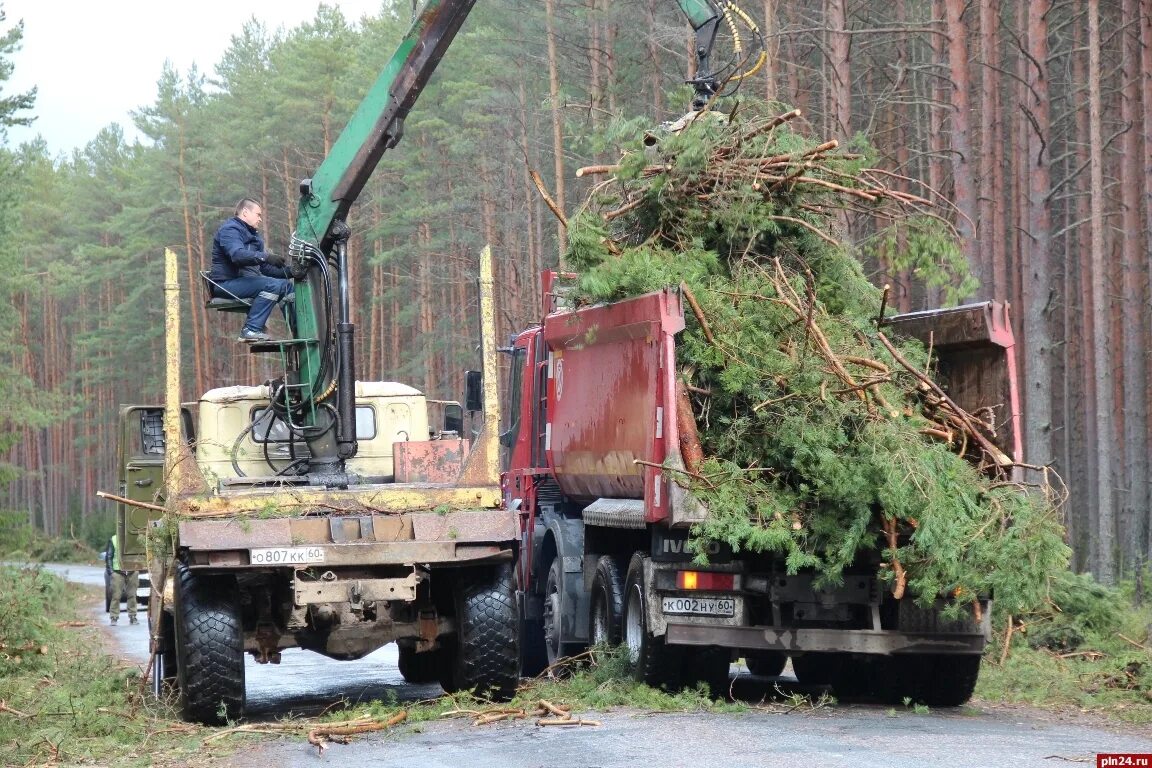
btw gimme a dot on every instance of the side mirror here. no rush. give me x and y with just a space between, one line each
454 418
473 391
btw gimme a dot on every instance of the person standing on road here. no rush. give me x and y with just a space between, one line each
243 269
122 581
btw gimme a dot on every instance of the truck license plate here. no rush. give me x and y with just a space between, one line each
704 606
286 555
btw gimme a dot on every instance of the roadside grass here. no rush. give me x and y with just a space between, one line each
64 701
1090 652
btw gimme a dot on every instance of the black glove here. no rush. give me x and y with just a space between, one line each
274 259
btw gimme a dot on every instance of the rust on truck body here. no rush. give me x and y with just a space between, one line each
975 358
611 416
429 461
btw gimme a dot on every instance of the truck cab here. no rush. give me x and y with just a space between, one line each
244 441
140 476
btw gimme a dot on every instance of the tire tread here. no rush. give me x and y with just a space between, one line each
210 653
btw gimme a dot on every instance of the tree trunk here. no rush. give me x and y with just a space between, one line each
839 45
1036 261
771 47
1135 509
992 237
963 187
1104 562
557 122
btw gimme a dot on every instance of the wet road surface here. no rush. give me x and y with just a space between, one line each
845 735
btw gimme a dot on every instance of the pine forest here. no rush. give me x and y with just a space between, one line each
1031 118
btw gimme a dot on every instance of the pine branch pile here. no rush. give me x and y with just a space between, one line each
821 438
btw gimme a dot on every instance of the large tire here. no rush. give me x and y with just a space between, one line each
209 648
817 668
850 676
765 663
484 655
420 667
937 680
556 642
607 603
653 662
709 665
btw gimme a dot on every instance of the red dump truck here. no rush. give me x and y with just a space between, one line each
591 423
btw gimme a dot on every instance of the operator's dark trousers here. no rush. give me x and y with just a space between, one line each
266 293
122 580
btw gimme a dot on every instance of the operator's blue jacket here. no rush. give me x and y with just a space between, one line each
238 251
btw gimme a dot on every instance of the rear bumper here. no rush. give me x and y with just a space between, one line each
868 641
458 537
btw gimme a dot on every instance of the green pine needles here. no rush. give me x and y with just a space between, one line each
825 441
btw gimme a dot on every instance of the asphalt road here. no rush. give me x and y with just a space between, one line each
859 736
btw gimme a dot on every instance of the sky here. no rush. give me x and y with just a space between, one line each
93 63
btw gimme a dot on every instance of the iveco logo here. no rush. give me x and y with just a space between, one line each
680 547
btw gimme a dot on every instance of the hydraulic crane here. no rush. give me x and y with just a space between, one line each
320 359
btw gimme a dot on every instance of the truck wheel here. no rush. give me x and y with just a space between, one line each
607 602
484 655
817 668
653 661
765 663
420 667
709 665
937 680
209 647
856 675
555 604
952 681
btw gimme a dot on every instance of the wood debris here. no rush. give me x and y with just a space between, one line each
318 736
546 712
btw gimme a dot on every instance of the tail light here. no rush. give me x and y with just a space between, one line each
705 580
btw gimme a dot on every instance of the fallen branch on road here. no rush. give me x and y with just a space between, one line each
547 712
318 735
339 732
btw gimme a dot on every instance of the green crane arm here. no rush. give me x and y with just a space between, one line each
699 12
320 358
378 122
